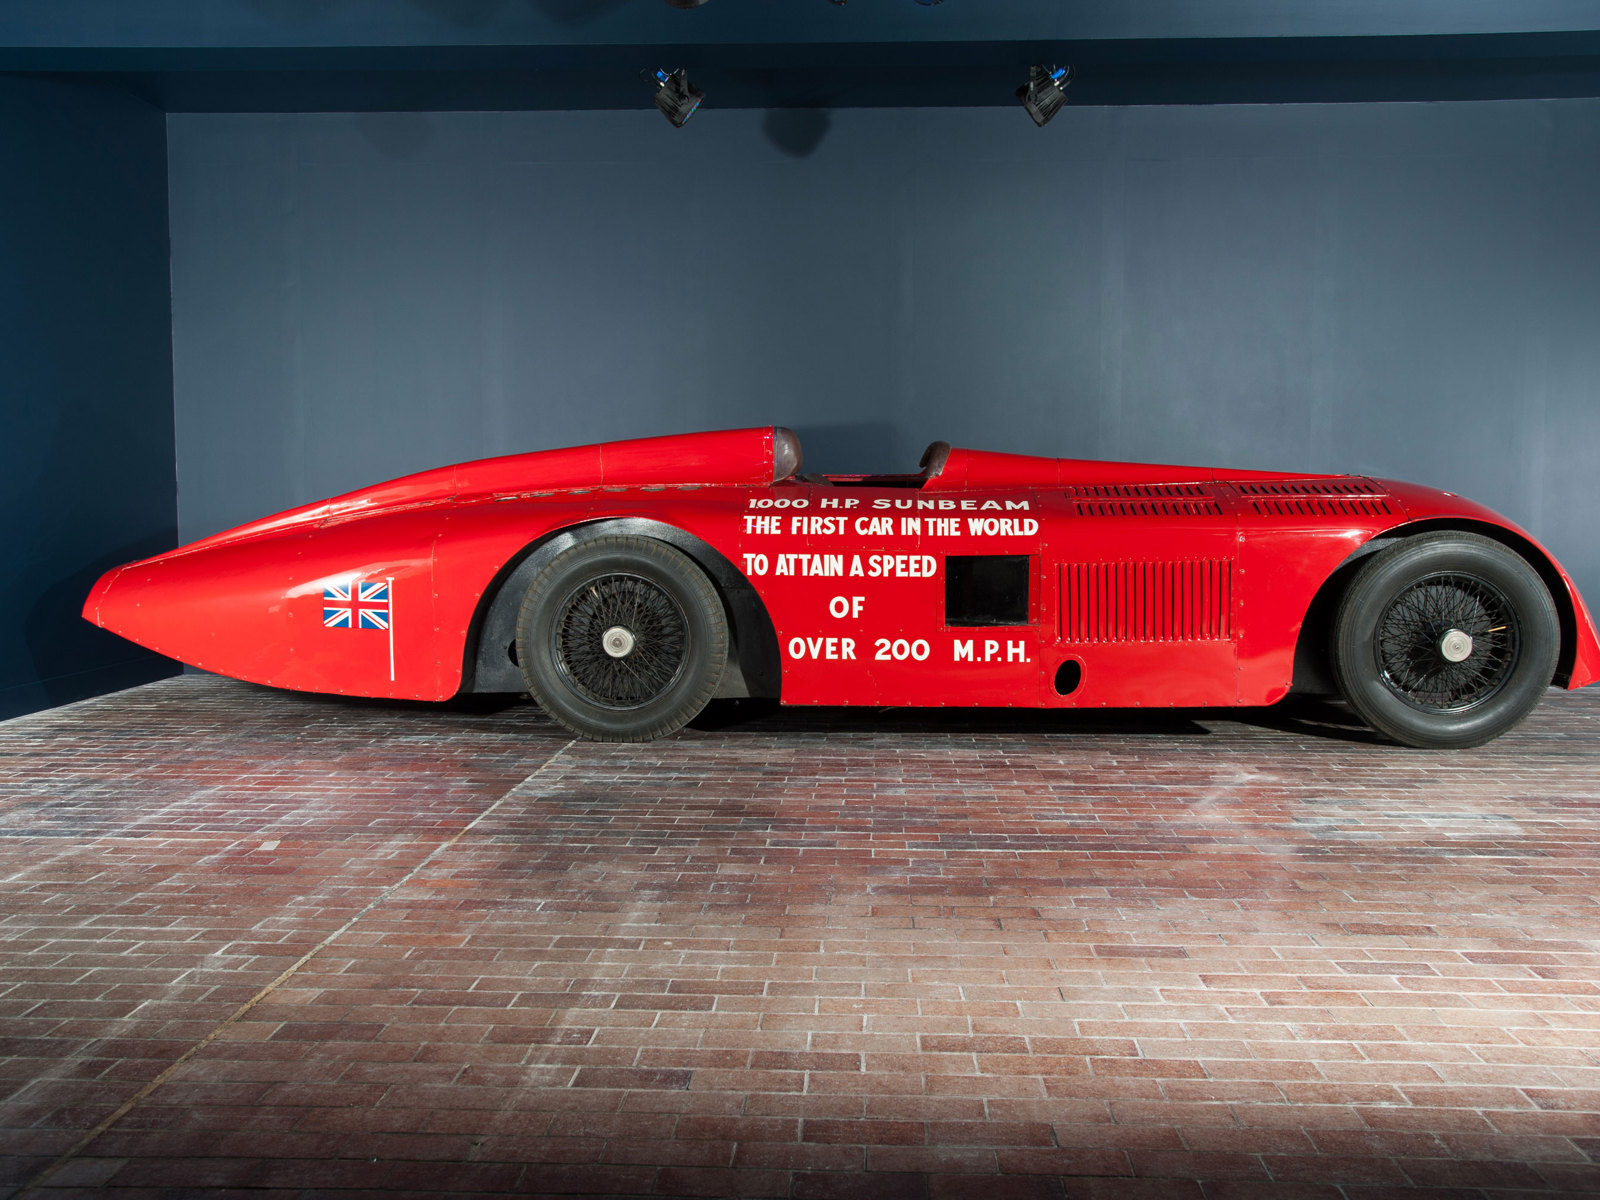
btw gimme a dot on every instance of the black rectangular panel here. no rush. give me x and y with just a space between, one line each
986 589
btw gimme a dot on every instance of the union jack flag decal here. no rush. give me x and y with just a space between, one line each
356 605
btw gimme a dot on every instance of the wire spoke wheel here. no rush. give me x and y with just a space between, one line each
1444 640
1448 642
620 640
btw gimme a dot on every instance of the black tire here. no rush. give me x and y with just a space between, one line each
659 671
1393 645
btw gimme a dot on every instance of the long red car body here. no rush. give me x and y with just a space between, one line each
1165 585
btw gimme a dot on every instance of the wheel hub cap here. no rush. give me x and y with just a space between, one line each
618 642
1456 646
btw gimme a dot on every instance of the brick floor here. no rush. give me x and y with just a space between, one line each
292 946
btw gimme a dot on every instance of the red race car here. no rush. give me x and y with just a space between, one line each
625 585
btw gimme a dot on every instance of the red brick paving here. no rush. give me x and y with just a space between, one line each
817 954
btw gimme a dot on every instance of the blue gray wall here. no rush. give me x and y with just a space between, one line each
1405 290
86 439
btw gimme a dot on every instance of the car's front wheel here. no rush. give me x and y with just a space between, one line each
1445 640
622 639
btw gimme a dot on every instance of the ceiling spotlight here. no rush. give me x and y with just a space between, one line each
676 97
686 3
1045 92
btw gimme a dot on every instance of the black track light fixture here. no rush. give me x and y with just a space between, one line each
686 3
1045 92
676 97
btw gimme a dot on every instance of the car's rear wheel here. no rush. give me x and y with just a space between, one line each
1445 640
622 639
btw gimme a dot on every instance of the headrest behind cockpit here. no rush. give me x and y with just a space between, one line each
933 459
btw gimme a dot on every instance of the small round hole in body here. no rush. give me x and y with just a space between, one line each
1068 676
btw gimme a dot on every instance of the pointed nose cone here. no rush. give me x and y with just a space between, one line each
189 607
254 609
138 602
95 609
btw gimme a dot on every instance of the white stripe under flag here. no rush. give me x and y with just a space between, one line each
390 581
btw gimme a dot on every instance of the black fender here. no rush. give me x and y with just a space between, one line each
1313 673
489 660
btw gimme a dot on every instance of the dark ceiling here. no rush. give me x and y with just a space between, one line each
288 55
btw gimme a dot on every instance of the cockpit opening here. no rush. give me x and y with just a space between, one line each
932 462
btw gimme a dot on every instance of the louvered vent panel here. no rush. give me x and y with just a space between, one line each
1145 500
1189 600
1352 497
1348 485
1322 506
